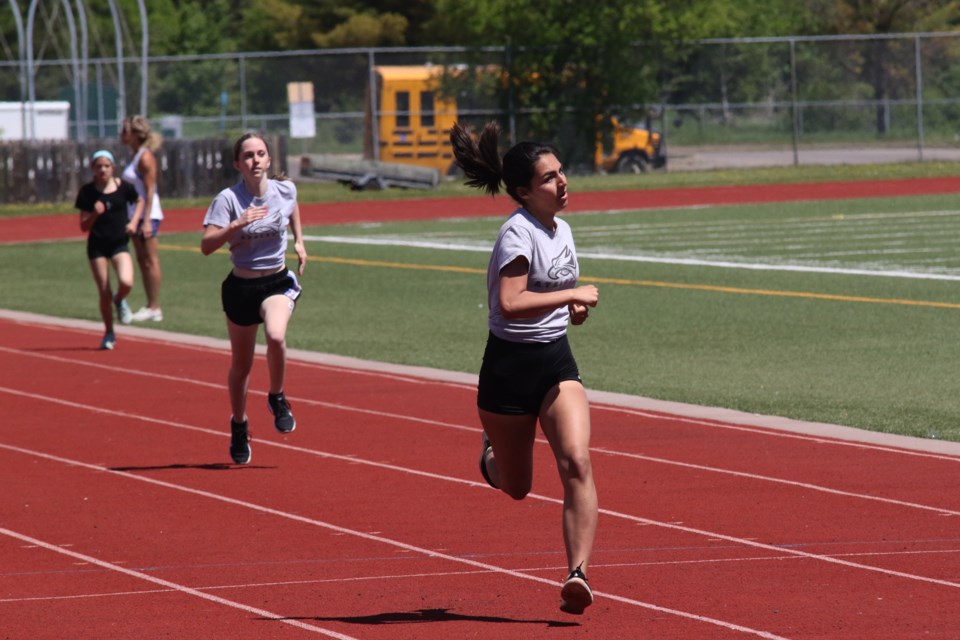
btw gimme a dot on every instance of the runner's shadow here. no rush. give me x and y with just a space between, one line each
213 466
429 615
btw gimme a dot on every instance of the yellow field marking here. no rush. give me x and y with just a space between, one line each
773 292
623 281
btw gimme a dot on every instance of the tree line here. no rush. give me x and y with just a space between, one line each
579 52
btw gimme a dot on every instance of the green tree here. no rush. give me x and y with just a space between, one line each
876 64
568 61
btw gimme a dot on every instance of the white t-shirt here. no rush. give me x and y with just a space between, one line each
261 244
553 266
130 174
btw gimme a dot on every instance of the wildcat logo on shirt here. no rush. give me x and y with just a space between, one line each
269 227
562 273
564 266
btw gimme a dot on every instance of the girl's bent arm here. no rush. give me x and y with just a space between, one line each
516 301
87 218
134 222
215 237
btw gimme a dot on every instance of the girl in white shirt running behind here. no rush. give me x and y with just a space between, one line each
253 217
528 372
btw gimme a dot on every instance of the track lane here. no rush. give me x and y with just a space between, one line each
452 444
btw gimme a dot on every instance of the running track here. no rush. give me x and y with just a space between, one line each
121 516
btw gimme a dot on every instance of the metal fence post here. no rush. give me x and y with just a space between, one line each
919 74
374 115
793 102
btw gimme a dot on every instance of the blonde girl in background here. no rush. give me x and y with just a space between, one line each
143 173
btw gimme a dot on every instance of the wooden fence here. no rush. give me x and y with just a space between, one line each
54 171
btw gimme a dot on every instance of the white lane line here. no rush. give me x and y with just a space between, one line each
173 586
430 553
541 441
390 467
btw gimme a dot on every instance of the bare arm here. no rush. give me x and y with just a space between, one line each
147 167
516 301
298 245
134 222
215 237
87 218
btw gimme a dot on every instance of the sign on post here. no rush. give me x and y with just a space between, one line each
302 121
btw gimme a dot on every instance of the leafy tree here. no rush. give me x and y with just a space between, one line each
875 64
568 61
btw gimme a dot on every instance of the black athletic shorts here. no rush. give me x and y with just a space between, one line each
516 376
106 247
242 297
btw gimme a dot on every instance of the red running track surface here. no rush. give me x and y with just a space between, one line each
122 516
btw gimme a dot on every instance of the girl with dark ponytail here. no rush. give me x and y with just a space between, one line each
529 374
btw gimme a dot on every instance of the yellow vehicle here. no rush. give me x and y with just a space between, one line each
414 121
413 126
628 149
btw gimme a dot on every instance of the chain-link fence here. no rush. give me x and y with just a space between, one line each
792 93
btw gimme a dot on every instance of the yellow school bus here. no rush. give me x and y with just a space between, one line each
413 126
413 119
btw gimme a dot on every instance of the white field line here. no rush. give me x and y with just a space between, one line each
687 236
691 262
370 537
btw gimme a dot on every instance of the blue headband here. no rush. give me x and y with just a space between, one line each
103 153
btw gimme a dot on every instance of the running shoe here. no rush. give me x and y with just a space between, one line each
485 442
575 595
239 442
280 408
124 315
145 314
109 341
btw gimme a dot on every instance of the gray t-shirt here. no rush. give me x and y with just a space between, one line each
553 266
261 244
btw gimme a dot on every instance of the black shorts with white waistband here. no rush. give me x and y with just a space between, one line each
516 376
106 247
242 297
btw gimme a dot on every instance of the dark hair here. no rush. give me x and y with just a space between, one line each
254 135
481 164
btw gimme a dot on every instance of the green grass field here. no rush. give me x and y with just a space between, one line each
842 312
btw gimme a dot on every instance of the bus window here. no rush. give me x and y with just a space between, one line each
403 109
426 109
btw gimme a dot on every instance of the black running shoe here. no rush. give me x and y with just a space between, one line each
239 442
575 595
280 408
485 447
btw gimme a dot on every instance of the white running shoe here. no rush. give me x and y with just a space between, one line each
124 315
145 314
